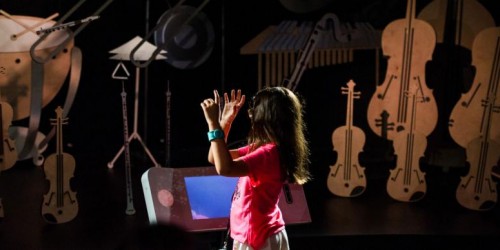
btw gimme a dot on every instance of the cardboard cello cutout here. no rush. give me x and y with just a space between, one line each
468 114
409 44
450 72
475 124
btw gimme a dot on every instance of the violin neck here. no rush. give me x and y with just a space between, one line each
59 137
348 117
351 95
59 121
410 9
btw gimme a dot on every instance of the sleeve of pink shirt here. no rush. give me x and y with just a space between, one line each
262 163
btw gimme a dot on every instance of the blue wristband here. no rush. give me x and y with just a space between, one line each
215 134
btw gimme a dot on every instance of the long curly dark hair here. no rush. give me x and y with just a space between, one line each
276 115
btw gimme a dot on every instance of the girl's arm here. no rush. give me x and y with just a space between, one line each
219 154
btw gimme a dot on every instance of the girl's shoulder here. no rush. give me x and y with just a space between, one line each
268 147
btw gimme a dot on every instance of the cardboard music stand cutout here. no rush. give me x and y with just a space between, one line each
144 53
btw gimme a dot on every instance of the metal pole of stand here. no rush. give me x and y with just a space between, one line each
146 79
128 167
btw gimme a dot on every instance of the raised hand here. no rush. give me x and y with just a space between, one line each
211 110
232 105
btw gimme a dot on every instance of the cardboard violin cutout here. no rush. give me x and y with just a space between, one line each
406 181
347 177
59 203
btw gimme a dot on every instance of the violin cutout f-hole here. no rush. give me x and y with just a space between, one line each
9 145
395 176
382 96
468 102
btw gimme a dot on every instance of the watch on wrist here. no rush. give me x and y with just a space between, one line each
215 134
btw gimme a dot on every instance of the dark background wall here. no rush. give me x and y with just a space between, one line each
95 125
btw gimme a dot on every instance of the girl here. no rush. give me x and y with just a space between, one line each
277 152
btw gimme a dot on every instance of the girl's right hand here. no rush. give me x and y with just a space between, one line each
232 106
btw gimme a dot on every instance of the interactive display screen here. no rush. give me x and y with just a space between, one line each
210 196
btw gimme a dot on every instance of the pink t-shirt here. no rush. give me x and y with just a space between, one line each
255 214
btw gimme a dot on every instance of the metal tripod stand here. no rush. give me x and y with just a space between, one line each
134 134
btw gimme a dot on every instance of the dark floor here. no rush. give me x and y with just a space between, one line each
370 221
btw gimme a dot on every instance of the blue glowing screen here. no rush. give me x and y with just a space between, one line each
210 196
